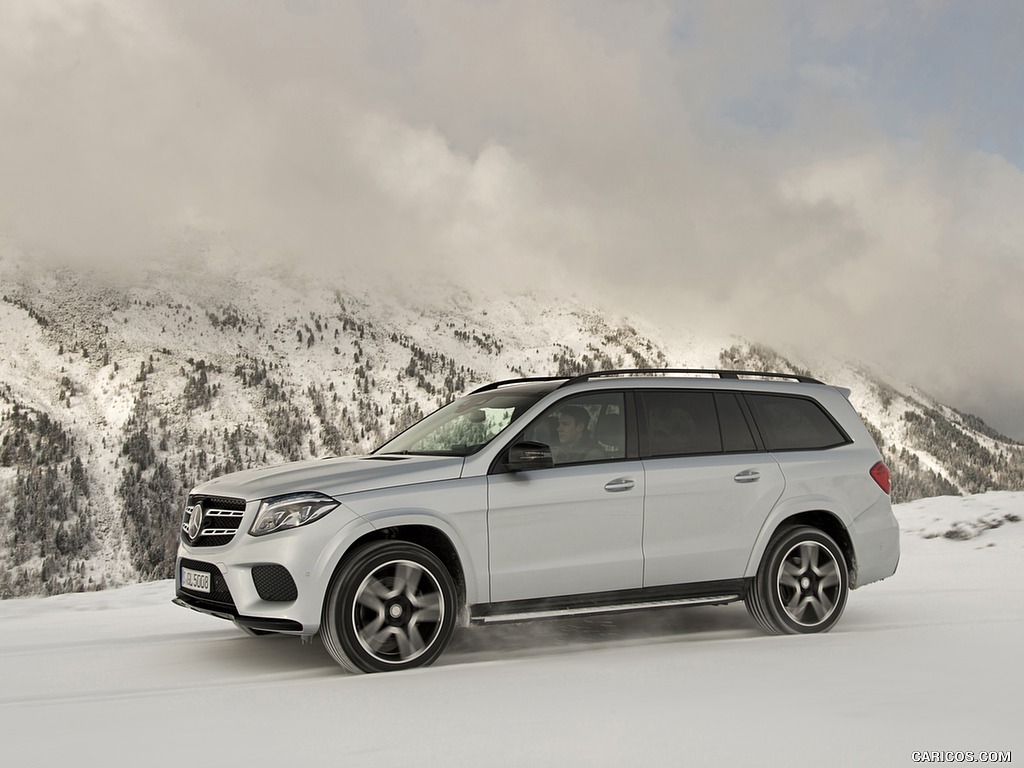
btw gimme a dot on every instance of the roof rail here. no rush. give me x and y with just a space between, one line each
722 374
496 384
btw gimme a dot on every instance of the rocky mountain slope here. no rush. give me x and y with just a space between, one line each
117 395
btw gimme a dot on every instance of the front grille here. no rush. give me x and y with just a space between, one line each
219 593
274 583
216 524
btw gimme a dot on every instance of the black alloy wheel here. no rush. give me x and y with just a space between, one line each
390 607
802 584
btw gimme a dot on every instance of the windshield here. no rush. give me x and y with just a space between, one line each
464 426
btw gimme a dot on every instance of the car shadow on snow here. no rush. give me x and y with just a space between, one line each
283 656
569 635
272 655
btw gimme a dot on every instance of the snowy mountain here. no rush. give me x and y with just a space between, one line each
118 393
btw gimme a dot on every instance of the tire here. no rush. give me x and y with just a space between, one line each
802 583
390 607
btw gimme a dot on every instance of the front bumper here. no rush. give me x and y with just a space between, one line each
253 622
220 602
274 583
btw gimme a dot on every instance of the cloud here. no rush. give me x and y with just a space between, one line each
788 172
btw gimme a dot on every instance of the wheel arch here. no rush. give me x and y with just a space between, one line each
824 520
431 538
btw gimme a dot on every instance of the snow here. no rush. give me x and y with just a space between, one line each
927 660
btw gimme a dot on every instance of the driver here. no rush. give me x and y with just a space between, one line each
574 440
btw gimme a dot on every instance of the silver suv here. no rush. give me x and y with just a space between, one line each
544 497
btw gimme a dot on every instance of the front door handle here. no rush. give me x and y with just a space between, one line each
748 476
620 484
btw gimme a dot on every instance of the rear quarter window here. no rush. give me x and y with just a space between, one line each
794 423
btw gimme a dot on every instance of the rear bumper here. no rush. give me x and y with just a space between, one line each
876 539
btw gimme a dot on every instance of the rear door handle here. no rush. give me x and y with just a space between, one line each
620 484
748 476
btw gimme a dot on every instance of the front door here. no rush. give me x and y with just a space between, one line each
576 527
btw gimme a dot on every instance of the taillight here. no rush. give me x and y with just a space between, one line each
881 475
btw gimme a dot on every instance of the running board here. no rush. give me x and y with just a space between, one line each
585 610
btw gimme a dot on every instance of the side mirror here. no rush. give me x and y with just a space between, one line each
524 456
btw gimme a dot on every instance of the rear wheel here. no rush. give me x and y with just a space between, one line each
802 584
390 607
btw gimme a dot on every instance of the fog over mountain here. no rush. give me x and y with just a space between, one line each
823 177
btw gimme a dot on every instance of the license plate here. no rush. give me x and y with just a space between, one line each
197 581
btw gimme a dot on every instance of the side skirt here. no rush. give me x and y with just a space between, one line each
705 593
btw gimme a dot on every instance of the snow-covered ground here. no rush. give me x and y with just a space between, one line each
929 660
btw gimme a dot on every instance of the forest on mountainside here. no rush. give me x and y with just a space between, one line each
136 398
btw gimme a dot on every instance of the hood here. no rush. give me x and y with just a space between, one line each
334 477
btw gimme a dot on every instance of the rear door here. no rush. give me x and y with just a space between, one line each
709 487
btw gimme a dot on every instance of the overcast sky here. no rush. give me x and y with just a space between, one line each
845 175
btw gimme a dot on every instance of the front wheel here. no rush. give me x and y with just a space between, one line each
802 584
390 607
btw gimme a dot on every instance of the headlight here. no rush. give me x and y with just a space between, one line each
282 512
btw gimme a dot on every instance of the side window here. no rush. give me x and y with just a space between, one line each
794 423
681 423
736 437
589 427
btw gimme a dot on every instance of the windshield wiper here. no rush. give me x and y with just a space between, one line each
421 453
